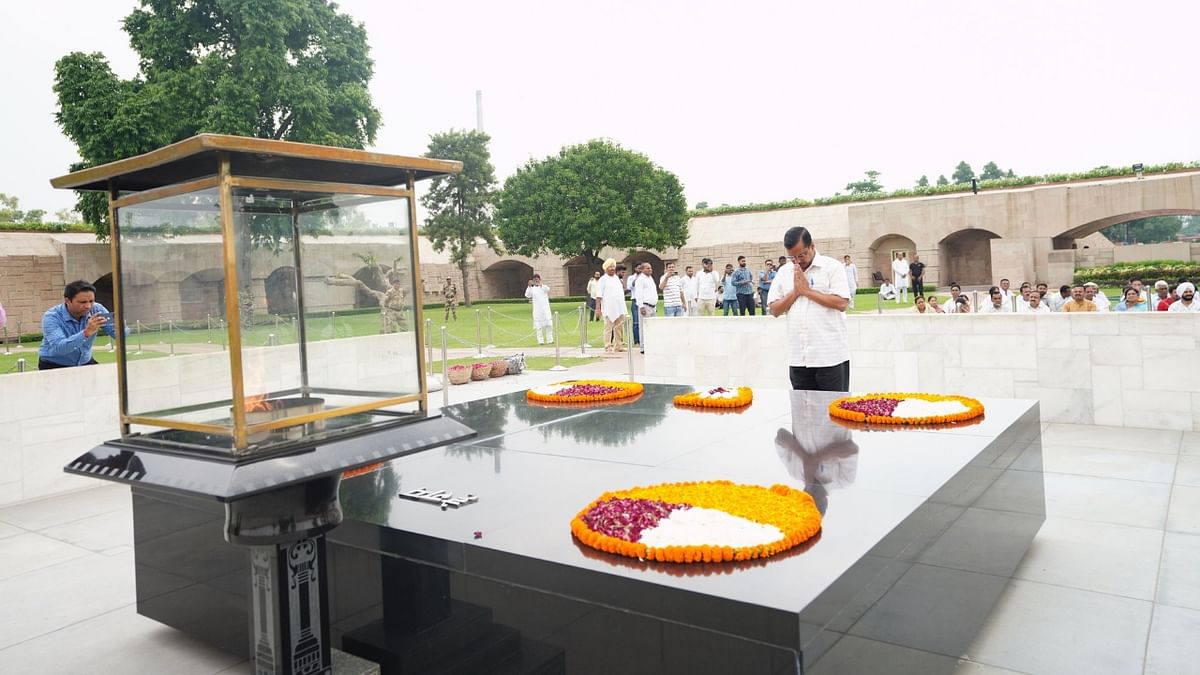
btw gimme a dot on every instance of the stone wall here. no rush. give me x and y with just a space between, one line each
1134 370
33 284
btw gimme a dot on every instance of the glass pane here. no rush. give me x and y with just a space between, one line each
172 286
327 326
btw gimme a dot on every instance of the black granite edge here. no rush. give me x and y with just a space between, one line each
224 481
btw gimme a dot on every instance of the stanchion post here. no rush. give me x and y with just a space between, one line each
208 327
21 365
974 301
491 343
171 336
445 373
478 335
629 350
429 346
271 341
879 303
333 323
557 341
582 331
6 349
224 333
138 328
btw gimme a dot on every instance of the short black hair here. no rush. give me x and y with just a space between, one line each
741 258
1004 280
707 261
919 297
76 287
962 300
797 235
1064 287
954 286
621 268
993 289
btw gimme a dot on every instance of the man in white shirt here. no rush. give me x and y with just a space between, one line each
812 291
1055 301
851 278
707 283
1091 291
592 291
1187 299
900 277
610 304
1035 305
631 286
1005 293
647 297
671 285
691 287
952 305
543 320
997 304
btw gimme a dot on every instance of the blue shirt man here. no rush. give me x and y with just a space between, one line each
69 330
743 281
765 278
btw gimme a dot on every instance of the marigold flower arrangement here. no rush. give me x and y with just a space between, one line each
716 397
906 408
584 391
709 521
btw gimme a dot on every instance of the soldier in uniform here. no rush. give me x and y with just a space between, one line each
393 311
450 297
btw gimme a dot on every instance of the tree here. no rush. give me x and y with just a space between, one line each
923 182
1010 174
962 173
589 197
700 206
283 69
460 205
67 216
10 209
1146 230
991 172
942 180
868 186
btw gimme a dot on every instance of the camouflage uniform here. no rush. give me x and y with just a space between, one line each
450 297
394 317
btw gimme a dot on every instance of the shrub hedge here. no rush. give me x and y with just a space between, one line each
1149 271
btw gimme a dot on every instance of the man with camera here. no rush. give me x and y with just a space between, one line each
543 320
671 285
69 330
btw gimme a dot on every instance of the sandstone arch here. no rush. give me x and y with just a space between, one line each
965 257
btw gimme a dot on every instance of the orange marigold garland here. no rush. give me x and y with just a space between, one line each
623 522
881 408
583 391
716 397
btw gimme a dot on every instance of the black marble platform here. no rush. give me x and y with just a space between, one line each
922 531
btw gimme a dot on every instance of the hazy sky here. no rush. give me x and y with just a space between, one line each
744 101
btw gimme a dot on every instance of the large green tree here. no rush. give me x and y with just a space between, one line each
991 172
460 205
963 173
283 69
589 197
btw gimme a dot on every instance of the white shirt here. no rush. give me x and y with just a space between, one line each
900 273
1007 295
852 277
706 285
1055 301
612 297
1178 306
951 307
989 308
690 288
1101 300
647 292
1042 308
631 286
816 334
540 295
592 287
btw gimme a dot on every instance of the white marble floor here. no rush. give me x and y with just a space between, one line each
1111 584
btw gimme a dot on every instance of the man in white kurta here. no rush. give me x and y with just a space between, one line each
812 291
610 304
900 277
851 278
543 321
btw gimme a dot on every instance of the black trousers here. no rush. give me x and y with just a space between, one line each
918 287
828 378
745 304
43 364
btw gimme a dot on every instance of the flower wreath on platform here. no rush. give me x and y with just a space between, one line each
583 391
716 397
906 408
710 521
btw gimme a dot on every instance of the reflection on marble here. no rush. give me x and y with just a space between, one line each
921 527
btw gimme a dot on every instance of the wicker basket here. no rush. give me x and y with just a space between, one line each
499 368
480 371
459 374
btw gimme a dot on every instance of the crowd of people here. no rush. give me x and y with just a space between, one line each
1087 297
